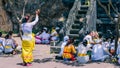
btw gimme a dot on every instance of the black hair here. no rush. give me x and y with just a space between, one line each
7 36
85 43
10 32
0 34
71 40
100 35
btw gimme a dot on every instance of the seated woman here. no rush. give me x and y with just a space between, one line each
82 56
45 36
54 35
98 51
10 45
2 43
69 51
38 38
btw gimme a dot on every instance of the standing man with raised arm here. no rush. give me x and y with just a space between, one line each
28 40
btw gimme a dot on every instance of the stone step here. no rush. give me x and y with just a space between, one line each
105 20
107 1
78 16
82 12
77 21
104 15
75 36
55 49
101 10
77 26
74 31
84 7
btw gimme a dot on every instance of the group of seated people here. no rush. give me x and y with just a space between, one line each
44 37
7 44
92 48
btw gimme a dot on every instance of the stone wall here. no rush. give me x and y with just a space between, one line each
5 23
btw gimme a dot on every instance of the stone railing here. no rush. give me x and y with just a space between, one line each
91 17
71 17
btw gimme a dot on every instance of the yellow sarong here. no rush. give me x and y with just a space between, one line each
27 48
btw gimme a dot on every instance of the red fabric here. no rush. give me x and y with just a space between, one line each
72 58
37 37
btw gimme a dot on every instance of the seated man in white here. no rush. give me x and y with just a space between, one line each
82 56
45 37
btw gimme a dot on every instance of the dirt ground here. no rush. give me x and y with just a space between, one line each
43 59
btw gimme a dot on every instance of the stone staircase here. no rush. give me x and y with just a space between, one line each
73 27
77 25
106 23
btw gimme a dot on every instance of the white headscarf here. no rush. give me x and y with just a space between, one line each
66 38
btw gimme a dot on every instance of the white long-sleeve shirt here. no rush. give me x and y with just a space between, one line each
27 27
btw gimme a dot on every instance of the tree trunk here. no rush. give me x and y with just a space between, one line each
117 33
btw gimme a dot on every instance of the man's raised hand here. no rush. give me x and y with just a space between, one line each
38 11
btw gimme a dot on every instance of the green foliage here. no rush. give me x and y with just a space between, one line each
4 32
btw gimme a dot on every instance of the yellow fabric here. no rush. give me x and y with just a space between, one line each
27 48
33 39
87 2
79 54
68 51
7 47
53 30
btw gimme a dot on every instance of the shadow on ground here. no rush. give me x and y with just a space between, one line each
71 63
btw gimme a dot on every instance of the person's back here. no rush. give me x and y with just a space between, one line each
82 56
9 45
2 40
1 45
69 51
45 36
27 28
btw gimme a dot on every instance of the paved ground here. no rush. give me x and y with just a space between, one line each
43 59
